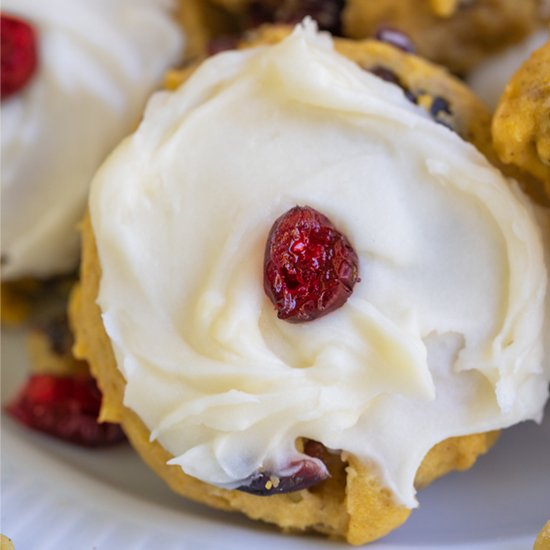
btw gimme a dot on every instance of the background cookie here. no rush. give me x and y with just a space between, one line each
521 125
457 35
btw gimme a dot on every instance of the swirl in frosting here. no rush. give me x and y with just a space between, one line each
443 335
98 62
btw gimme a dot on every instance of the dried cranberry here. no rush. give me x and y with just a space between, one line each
310 268
19 55
314 449
66 408
396 38
308 473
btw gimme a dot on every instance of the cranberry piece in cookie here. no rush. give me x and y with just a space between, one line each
19 55
307 472
64 407
310 268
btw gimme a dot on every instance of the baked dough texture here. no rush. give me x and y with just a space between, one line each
521 125
352 503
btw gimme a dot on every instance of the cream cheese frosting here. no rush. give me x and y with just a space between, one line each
98 62
443 335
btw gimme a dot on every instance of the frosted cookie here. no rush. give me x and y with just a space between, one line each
320 299
75 78
521 125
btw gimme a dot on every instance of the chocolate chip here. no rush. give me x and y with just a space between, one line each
390 76
440 105
395 38
441 112
386 74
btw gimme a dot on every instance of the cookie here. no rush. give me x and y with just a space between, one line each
521 124
456 34
309 425
543 538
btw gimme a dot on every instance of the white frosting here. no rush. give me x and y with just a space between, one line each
489 78
98 62
441 337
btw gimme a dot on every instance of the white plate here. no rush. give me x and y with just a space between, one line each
56 496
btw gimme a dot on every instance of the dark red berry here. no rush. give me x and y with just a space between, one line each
396 38
314 449
66 408
19 55
307 472
310 268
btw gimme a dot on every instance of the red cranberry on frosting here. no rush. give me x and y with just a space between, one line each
310 268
